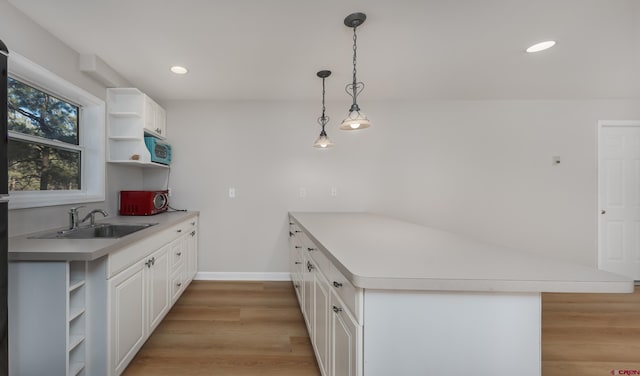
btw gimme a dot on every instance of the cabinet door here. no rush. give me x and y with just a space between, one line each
308 306
158 286
346 354
161 121
150 115
322 316
127 316
192 254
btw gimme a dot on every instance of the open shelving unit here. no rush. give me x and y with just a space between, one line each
131 114
76 318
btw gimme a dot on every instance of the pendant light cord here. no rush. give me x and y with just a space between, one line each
354 88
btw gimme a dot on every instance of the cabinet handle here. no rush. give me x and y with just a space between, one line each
180 230
291 234
179 284
311 249
297 231
159 130
180 254
337 284
193 233
298 263
193 223
148 263
290 223
337 309
310 266
298 247
296 286
153 261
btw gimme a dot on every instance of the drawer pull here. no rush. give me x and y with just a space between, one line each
298 246
180 230
298 263
179 284
337 284
153 261
291 234
148 263
297 231
193 223
180 254
193 233
310 266
311 249
337 309
290 223
296 286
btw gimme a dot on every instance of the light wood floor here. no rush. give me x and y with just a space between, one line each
590 334
230 328
255 328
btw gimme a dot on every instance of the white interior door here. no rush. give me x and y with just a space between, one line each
619 198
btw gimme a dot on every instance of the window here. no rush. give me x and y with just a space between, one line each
56 139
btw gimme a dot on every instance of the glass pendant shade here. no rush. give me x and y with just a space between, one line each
354 121
323 141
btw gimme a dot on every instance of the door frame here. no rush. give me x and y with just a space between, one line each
602 124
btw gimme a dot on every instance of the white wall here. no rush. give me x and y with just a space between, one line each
28 39
481 168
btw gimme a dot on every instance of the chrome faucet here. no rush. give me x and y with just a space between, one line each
74 217
92 215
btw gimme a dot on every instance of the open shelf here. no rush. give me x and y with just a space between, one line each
140 164
125 114
74 285
75 340
75 368
75 312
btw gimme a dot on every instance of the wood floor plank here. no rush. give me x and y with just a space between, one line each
230 328
590 334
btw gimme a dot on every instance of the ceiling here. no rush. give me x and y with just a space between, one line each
407 49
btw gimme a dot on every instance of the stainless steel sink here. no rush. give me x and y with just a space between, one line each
101 231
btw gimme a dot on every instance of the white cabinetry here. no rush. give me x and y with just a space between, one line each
334 326
130 115
91 317
127 292
155 117
142 293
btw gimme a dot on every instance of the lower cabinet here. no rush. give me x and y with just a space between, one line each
99 313
347 335
127 315
334 330
139 301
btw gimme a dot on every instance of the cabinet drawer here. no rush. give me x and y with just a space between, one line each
178 253
178 279
320 260
351 296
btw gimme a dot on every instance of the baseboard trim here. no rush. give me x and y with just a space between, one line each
242 276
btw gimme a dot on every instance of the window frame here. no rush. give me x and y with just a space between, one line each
91 129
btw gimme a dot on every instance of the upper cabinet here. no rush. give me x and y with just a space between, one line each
131 115
155 122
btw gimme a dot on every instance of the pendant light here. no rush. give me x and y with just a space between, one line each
356 118
323 141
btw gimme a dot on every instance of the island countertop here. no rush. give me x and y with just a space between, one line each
378 252
25 248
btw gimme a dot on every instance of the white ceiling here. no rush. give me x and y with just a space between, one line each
407 49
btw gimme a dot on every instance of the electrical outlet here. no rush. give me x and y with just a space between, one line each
232 193
303 192
555 160
334 191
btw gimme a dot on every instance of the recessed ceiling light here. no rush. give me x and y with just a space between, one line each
541 46
179 70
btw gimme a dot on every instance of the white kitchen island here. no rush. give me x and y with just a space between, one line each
382 296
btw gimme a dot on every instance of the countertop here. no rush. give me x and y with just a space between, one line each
378 252
23 248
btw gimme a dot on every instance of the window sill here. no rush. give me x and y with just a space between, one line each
23 200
